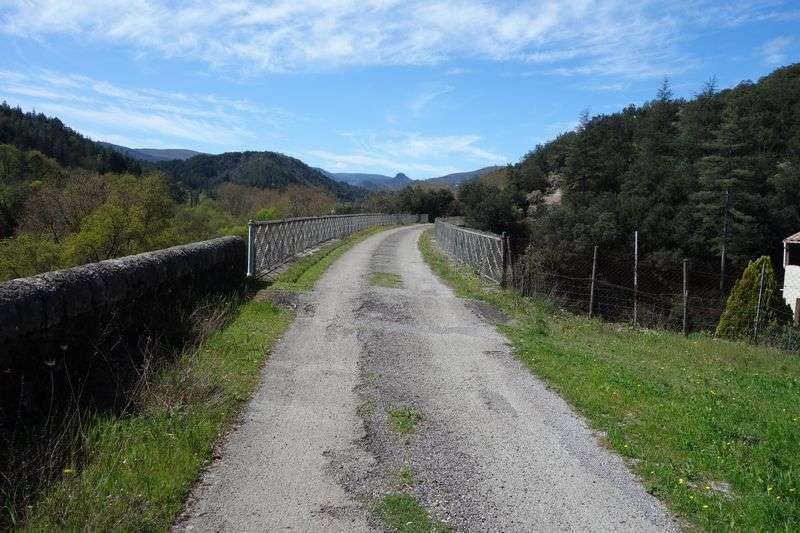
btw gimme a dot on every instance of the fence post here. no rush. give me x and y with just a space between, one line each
758 305
251 252
685 298
510 264
591 290
797 312
504 251
636 278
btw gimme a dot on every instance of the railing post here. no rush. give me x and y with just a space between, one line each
251 249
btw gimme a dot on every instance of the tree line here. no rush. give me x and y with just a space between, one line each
691 175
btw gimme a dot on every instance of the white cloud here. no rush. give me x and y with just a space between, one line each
775 52
606 37
426 96
147 116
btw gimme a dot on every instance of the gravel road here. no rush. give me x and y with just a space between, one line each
494 450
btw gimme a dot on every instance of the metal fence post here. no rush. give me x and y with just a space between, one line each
251 251
591 289
636 278
685 298
504 259
758 305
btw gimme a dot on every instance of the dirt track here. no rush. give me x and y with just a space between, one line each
494 450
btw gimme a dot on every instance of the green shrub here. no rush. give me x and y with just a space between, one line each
739 317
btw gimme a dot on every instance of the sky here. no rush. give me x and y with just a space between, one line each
421 87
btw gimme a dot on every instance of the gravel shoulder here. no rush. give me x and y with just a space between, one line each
494 449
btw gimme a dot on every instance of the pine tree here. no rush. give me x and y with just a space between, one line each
728 188
739 317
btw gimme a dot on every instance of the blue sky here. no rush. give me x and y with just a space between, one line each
422 87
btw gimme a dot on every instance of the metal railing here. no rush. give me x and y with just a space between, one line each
273 242
485 252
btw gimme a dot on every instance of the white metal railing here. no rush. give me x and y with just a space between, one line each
271 243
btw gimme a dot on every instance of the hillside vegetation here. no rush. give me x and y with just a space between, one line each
152 155
67 200
49 136
265 170
662 168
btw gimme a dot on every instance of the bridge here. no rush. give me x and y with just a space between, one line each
384 377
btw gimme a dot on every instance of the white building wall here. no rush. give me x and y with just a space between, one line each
791 285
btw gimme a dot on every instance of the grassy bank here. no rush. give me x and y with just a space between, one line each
711 426
140 467
136 470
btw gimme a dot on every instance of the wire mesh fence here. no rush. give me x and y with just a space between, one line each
484 252
675 295
271 243
672 295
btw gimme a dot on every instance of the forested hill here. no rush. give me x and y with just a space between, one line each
268 170
664 168
152 155
35 131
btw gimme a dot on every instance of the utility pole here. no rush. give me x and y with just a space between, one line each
724 243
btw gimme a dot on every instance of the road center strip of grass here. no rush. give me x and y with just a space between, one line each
403 514
712 426
404 420
386 279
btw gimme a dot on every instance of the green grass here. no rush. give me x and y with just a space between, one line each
386 279
404 420
140 467
405 477
403 514
711 426
303 274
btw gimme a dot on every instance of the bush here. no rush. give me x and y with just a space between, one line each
739 317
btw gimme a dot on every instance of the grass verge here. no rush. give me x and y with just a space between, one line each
404 420
386 279
711 426
303 274
140 467
403 514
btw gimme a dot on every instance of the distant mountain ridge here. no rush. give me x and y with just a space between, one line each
372 182
152 155
375 182
457 178
266 170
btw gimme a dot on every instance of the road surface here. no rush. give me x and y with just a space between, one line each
494 449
